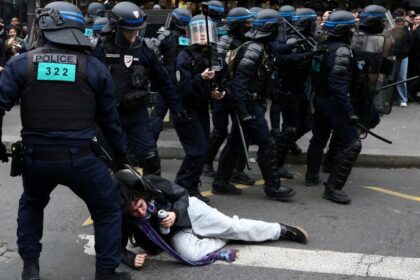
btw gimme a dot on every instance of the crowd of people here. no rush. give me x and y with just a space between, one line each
84 77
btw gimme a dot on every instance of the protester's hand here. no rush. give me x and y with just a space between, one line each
3 156
216 94
169 220
208 74
353 119
120 159
139 260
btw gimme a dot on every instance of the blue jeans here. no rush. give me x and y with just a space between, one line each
402 75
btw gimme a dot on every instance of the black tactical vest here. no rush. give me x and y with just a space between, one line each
130 76
56 95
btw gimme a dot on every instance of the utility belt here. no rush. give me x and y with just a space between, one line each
63 153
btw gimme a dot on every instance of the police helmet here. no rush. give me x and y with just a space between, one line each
339 23
98 24
265 24
126 15
62 23
181 17
372 19
197 31
238 17
287 12
94 10
254 11
216 10
304 17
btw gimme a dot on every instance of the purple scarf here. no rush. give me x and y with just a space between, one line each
228 255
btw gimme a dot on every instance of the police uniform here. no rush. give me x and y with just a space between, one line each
65 96
170 41
248 87
333 109
133 66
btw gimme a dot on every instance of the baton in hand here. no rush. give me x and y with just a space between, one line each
241 133
365 129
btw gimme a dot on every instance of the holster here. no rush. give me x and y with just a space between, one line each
17 159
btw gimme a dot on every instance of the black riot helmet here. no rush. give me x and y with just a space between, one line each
372 19
95 10
340 24
304 19
216 11
287 12
180 18
254 11
62 23
126 18
237 18
265 25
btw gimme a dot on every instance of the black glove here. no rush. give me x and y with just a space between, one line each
353 119
118 162
3 156
244 117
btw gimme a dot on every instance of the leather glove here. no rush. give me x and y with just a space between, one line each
3 156
244 117
118 162
353 119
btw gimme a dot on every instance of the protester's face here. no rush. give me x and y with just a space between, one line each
417 20
14 21
138 208
12 32
325 16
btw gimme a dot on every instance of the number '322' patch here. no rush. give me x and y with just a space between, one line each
56 72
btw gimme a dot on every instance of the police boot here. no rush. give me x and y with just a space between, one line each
272 187
31 269
221 186
152 164
336 181
239 176
195 191
296 234
335 195
215 142
312 179
112 276
283 143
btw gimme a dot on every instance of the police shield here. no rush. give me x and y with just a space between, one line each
368 54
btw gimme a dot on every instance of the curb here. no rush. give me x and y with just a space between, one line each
364 160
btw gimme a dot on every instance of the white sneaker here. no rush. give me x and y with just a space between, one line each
403 104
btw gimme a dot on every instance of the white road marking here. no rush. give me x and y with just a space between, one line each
314 261
89 247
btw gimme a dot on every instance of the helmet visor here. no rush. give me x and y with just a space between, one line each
197 32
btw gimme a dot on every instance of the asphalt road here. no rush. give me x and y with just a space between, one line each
376 236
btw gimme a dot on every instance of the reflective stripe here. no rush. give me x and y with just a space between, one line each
217 8
334 23
82 21
233 18
181 17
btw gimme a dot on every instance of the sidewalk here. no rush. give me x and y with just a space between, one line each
401 127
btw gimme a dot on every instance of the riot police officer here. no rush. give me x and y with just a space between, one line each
194 76
217 14
252 72
97 26
333 110
94 11
133 66
65 95
170 41
368 46
293 88
254 11
238 22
